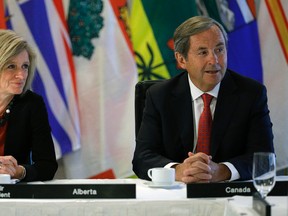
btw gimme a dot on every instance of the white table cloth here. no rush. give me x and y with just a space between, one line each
149 201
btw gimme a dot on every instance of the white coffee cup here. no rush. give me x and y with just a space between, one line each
162 176
5 179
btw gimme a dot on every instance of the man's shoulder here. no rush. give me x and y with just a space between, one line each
241 78
168 85
242 81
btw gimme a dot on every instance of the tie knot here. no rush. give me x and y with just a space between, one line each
206 99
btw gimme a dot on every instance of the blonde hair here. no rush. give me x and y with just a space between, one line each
11 45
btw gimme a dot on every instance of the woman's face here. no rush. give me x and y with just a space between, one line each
14 75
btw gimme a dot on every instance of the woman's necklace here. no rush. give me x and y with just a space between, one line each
6 113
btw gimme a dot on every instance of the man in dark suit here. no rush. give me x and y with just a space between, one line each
169 130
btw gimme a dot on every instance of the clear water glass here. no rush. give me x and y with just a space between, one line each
264 172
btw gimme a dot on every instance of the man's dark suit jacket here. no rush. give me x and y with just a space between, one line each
241 124
28 138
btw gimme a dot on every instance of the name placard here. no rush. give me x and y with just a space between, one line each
68 191
229 189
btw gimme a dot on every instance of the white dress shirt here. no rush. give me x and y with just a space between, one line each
197 108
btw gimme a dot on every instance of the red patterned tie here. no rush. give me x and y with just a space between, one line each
204 127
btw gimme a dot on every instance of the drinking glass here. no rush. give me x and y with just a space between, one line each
264 172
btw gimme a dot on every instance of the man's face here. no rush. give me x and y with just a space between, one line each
206 61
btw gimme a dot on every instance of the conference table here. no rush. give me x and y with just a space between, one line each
149 201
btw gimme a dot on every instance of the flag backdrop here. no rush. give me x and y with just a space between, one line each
42 24
273 32
106 76
90 96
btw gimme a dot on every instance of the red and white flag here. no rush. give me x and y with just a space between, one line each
273 33
106 78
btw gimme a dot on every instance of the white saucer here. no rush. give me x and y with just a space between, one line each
14 181
174 185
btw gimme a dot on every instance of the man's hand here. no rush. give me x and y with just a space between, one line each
219 172
200 168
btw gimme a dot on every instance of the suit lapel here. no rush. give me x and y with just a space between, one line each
181 105
181 108
226 102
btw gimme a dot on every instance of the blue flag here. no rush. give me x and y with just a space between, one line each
239 19
40 23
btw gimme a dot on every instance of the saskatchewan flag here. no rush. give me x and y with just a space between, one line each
153 24
152 27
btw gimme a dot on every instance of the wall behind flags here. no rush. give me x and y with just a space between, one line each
91 55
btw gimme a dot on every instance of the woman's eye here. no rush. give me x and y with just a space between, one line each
11 66
25 66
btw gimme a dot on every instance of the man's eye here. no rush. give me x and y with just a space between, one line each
202 53
220 49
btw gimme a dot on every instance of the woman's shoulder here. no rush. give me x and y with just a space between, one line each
29 96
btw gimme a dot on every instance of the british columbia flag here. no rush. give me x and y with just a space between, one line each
43 25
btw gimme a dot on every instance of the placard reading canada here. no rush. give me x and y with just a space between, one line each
229 189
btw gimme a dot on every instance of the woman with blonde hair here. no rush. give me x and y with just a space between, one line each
26 146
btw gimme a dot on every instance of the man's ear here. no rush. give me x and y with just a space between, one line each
180 60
